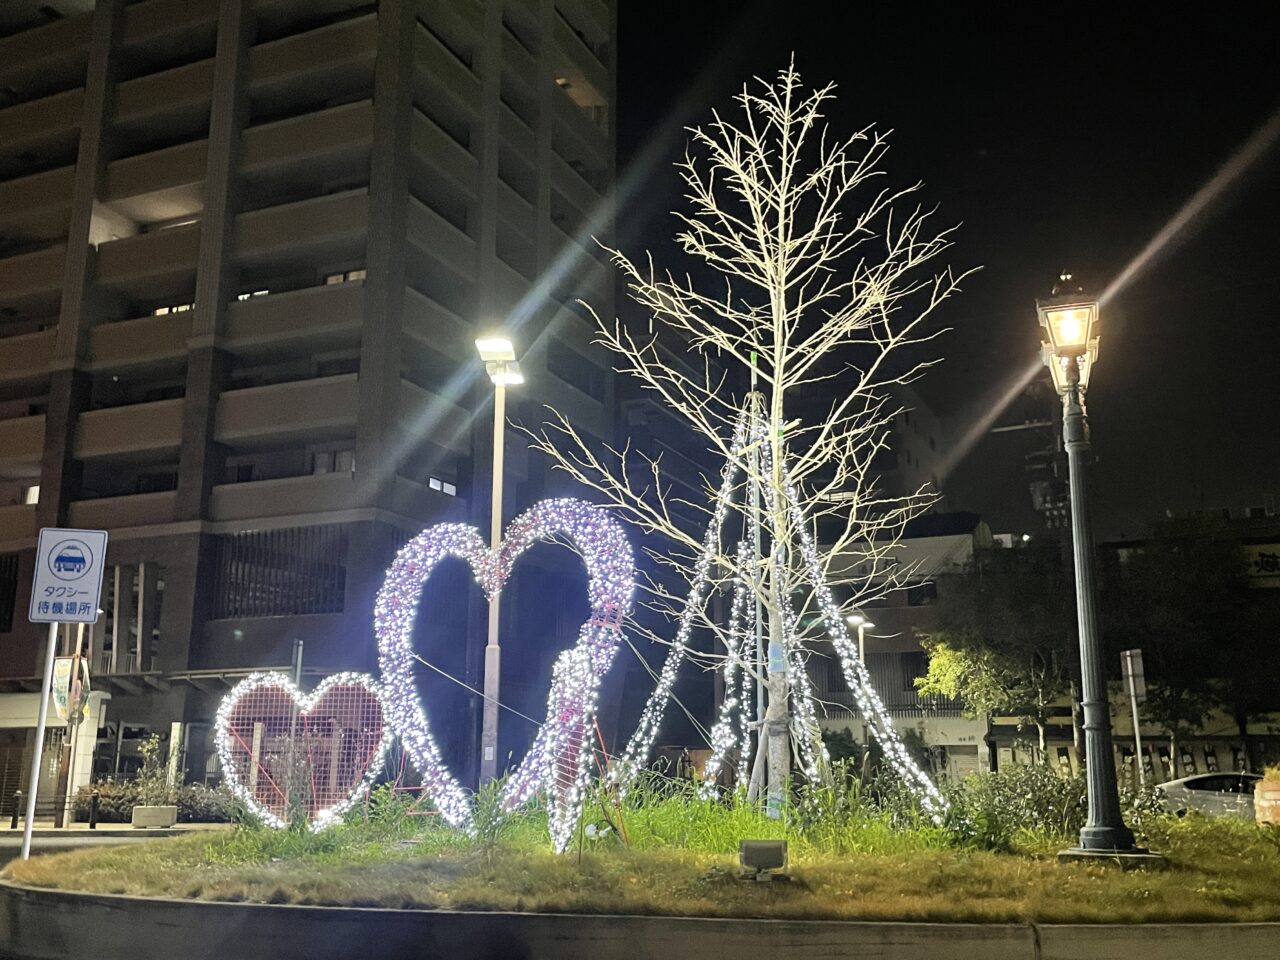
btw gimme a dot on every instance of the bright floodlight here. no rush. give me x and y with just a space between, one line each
505 373
496 350
859 619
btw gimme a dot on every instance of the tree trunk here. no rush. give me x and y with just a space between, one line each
1044 746
1175 762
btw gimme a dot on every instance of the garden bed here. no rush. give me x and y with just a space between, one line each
679 861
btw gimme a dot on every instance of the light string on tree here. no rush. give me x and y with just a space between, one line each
855 671
636 754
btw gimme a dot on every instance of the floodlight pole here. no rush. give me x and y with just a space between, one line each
1105 828
492 652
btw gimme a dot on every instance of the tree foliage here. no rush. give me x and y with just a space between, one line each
1005 637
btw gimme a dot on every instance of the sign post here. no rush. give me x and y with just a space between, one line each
1136 682
66 589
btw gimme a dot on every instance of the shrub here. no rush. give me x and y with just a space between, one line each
998 811
196 803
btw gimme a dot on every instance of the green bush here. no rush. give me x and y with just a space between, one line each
1016 806
196 803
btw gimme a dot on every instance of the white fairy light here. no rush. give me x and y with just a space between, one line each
559 762
227 737
636 754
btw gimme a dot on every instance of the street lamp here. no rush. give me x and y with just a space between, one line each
859 619
1069 319
499 358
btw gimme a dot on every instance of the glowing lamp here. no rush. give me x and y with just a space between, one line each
859 619
1070 324
496 349
504 373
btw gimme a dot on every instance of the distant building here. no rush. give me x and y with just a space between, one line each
245 248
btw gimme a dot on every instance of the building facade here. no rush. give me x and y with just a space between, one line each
245 249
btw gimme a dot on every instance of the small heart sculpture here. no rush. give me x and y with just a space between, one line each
285 753
559 760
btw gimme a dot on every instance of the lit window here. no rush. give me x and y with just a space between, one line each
255 293
357 274
444 486
31 494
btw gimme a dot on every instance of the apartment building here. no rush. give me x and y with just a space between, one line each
245 249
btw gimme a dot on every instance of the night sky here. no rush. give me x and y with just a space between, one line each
1057 136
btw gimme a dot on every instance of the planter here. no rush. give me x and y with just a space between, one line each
150 818
1266 801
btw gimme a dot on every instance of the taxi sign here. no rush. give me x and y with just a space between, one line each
68 578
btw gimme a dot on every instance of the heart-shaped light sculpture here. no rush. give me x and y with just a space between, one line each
559 762
286 753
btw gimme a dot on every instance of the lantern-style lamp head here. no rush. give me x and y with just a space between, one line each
1069 319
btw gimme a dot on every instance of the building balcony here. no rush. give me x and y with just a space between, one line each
32 282
138 430
54 54
155 265
333 58
160 185
427 322
304 411
144 342
289 496
321 318
315 148
177 98
573 186
21 447
421 503
443 154
583 67
437 238
171 26
50 125
38 207
427 417
17 523
114 513
330 228
26 357
448 75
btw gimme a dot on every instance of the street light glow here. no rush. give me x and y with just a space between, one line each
496 349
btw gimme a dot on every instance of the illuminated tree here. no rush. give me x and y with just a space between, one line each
824 286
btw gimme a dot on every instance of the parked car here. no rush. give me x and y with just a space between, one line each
1223 794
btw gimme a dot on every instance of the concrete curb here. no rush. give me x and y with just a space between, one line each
44 924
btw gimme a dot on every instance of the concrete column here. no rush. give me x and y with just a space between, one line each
200 459
377 453
69 389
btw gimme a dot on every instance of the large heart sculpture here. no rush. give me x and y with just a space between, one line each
286 754
559 760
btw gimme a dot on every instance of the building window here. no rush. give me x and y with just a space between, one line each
171 308
333 461
345 277
252 293
577 371
444 486
8 589
922 594
280 573
31 494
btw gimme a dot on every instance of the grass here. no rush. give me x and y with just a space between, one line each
848 861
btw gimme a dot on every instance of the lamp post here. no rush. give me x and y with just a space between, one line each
1069 318
859 619
500 363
